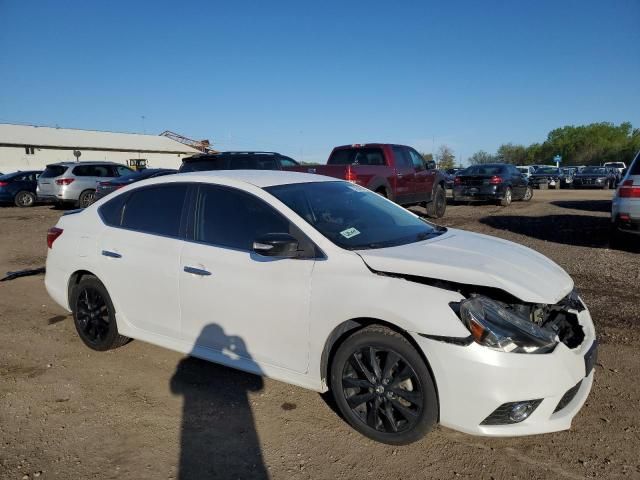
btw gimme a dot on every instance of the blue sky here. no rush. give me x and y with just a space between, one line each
302 77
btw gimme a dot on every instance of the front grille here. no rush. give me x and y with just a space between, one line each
568 396
500 415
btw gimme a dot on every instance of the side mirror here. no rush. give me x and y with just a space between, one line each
276 245
431 165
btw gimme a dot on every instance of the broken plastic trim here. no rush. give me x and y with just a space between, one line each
461 341
22 273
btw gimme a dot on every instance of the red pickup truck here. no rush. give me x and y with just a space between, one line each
397 172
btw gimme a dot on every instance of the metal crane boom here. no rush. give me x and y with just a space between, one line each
202 145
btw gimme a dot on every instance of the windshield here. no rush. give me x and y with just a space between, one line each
353 217
547 171
594 170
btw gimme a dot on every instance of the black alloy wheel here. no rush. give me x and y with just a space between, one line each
383 387
94 315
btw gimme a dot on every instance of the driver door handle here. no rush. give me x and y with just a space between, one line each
197 271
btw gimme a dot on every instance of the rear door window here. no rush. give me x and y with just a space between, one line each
215 163
401 157
288 162
417 160
53 171
156 210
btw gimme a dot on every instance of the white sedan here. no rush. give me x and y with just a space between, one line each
326 285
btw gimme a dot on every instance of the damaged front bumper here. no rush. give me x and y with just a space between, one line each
474 381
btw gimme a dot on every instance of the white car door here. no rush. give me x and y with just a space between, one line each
140 256
234 300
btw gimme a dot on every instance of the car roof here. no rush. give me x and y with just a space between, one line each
206 156
258 178
96 162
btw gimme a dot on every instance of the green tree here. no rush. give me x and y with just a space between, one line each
481 157
427 157
445 158
510 153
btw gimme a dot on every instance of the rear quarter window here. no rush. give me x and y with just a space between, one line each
156 210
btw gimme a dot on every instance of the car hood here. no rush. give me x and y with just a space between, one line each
475 259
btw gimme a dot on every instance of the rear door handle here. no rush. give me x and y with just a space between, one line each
109 254
197 271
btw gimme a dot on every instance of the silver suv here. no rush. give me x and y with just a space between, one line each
625 207
76 182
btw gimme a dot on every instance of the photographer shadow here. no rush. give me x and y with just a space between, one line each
218 438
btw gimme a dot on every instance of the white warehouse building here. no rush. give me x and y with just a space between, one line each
27 147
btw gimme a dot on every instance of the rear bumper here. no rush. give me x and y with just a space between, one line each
473 381
479 193
629 209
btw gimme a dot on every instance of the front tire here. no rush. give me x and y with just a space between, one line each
438 205
528 194
25 199
94 315
383 387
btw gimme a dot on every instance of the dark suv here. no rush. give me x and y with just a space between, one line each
237 161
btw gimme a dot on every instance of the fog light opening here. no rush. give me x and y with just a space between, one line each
520 411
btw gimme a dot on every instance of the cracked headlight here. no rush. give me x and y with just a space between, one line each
493 326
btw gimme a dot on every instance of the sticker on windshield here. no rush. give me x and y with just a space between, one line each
349 232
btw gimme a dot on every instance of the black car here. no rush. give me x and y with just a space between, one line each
499 182
19 188
450 175
551 177
237 161
595 177
105 188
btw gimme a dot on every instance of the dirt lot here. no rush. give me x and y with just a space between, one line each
144 412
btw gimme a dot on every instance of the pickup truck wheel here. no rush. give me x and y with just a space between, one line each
437 206
382 192
383 387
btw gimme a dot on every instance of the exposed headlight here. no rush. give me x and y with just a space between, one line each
495 327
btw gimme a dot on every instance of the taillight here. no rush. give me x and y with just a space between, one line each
495 180
4 184
627 190
457 181
52 235
351 176
65 181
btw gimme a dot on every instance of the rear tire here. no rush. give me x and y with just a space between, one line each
383 387
25 199
86 198
528 194
506 200
94 315
438 205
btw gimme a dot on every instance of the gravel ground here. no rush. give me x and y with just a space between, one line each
144 412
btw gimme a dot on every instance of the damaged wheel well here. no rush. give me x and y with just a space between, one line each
74 280
345 329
